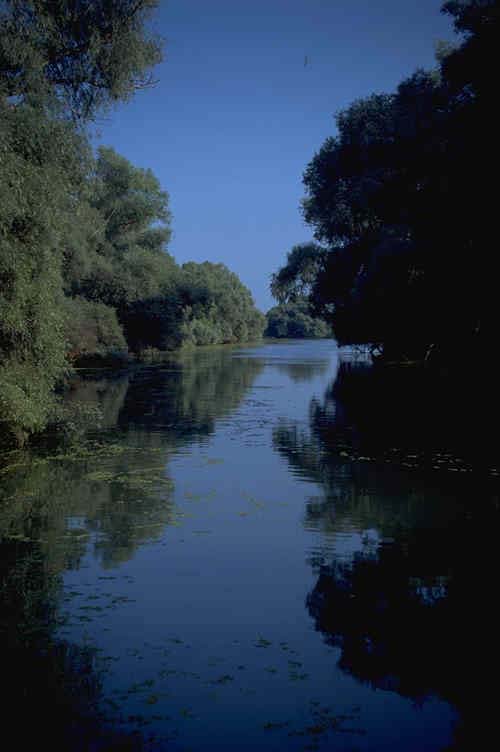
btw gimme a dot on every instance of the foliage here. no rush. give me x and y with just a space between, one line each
153 325
120 257
204 304
372 195
399 199
92 330
84 267
59 63
295 279
82 55
295 320
40 157
217 307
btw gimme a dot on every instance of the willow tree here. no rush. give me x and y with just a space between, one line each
124 258
61 61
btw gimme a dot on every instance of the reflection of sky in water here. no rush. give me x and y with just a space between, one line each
201 627
285 364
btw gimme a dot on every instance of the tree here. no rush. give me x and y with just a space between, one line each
218 308
399 198
92 331
59 63
40 173
125 257
80 54
295 279
294 320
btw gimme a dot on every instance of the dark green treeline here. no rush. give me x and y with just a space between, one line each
401 203
291 286
84 271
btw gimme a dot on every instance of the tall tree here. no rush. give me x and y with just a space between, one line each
41 171
126 257
60 62
400 198
217 306
295 279
83 54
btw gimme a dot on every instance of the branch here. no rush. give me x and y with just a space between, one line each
148 83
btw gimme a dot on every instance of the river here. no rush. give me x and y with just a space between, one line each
233 560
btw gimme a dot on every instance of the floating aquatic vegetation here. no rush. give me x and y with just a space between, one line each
325 720
224 679
294 676
272 725
263 643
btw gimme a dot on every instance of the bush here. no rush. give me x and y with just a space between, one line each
294 320
93 332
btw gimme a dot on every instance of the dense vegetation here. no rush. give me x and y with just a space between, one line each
399 200
292 286
294 320
84 271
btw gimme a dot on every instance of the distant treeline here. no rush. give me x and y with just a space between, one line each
295 320
84 272
402 206
295 316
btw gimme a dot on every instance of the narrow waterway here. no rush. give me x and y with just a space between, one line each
218 568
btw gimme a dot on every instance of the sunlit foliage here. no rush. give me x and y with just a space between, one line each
84 268
295 320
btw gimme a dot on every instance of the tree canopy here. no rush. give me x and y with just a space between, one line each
120 256
60 62
295 279
80 54
399 200
292 286
294 320
84 265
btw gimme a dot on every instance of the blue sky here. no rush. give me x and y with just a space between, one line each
237 114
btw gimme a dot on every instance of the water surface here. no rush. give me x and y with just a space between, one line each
220 567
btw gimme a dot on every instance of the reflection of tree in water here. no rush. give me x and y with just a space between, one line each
117 494
185 397
52 689
117 491
114 500
181 398
303 371
376 495
417 617
409 415
411 605
51 511
107 393
110 495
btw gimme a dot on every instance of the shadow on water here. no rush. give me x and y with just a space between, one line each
415 416
108 497
52 688
407 564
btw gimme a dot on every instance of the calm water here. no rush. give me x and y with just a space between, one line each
231 562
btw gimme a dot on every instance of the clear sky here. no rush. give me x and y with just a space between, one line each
247 94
